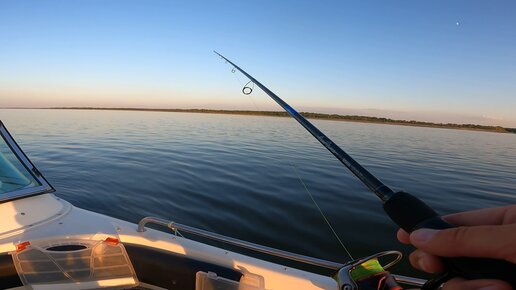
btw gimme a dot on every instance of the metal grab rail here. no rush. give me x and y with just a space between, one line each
259 248
236 242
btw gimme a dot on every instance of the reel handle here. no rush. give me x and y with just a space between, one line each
410 213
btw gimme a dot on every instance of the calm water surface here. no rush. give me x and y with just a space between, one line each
236 175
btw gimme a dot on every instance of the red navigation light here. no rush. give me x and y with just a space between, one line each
21 246
111 241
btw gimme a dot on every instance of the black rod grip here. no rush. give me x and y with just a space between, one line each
410 213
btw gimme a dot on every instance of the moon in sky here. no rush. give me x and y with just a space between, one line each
457 23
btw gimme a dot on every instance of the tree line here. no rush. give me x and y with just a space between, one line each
310 115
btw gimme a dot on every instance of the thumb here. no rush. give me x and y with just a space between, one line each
496 242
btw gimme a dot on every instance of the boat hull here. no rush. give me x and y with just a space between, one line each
160 259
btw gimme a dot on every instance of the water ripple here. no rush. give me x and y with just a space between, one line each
234 174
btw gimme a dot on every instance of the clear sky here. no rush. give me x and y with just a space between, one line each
427 60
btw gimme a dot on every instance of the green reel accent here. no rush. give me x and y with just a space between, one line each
366 269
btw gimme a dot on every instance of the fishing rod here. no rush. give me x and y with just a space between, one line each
407 211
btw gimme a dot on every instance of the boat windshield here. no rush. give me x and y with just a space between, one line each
13 175
18 176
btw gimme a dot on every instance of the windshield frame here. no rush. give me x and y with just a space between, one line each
45 186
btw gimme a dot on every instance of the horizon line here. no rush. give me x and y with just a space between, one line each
280 113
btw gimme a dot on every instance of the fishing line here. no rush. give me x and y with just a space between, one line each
233 71
248 93
247 90
237 74
321 212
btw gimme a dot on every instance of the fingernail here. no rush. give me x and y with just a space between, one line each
422 264
419 258
423 235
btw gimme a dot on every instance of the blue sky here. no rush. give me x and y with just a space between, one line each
434 60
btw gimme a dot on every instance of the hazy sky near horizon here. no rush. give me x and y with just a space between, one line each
451 61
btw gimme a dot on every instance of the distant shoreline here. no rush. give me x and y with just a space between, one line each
310 115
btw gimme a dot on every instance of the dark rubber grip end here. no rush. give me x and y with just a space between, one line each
410 213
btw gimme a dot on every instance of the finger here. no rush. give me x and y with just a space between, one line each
403 236
425 262
487 216
461 284
481 241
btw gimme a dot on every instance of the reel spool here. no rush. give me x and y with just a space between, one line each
368 274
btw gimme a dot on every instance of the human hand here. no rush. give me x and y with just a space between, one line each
484 233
